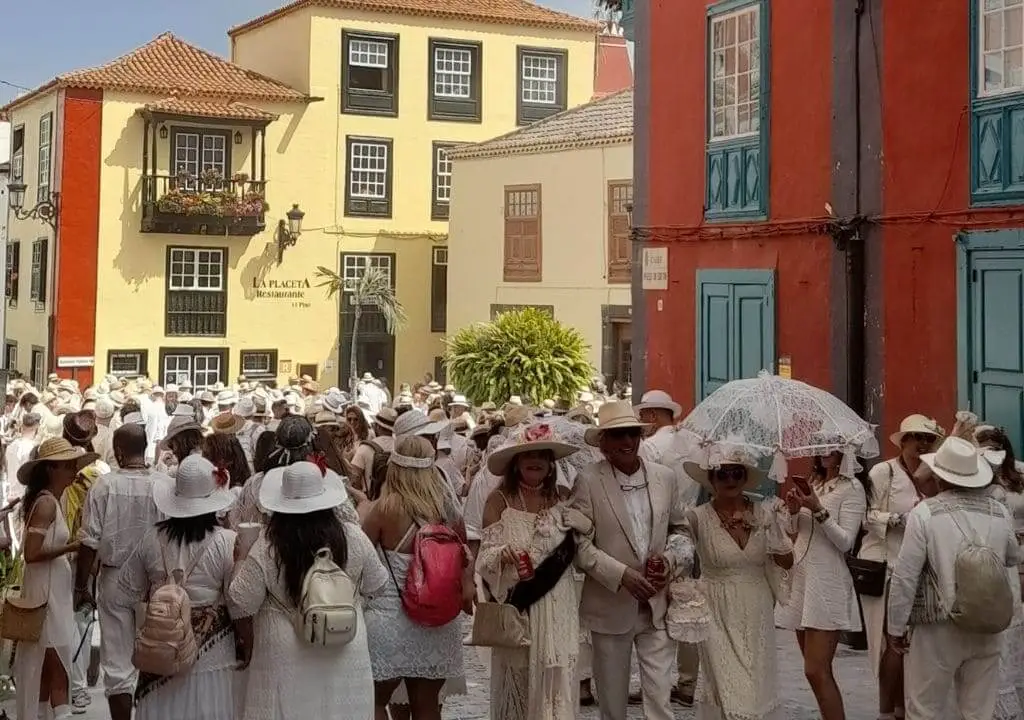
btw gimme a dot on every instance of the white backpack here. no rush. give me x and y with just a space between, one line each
983 601
165 644
327 606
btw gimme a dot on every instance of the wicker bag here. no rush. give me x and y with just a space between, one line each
499 625
20 622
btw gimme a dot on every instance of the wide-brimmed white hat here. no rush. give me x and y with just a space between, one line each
227 397
537 437
617 415
659 400
335 401
198 488
245 408
719 455
959 463
460 400
916 424
415 422
301 488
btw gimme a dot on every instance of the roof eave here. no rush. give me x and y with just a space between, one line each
539 148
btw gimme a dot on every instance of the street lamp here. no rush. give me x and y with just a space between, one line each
288 232
45 210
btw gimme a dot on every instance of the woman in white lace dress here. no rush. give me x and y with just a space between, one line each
744 555
190 540
289 679
526 514
401 650
42 669
826 513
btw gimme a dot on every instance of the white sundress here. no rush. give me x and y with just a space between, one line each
53 583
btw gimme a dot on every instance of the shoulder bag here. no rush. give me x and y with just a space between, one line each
20 622
869 576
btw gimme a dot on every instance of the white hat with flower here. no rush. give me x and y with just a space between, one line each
198 488
537 437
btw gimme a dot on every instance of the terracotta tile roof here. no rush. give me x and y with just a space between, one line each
169 66
521 13
607 121
612 68
208 109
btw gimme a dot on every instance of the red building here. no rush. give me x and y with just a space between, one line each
839 187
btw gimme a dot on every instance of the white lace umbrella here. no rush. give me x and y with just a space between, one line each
781 418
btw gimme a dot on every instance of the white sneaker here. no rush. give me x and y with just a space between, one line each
79 702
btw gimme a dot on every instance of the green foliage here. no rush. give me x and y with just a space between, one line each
522 352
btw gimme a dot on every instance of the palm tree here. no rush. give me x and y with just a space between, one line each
372 287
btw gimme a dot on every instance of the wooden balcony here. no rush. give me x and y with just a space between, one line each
205 205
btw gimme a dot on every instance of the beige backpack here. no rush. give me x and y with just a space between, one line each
165 644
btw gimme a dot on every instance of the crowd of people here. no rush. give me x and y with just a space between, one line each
254 553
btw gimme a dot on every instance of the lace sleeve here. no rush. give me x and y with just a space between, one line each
248 587
500 577
247 508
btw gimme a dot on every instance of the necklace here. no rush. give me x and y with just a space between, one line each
736 519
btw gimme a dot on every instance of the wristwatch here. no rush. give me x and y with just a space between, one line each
822 515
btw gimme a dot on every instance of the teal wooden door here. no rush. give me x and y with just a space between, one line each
996 338
735 330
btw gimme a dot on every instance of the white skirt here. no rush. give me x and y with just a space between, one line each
207 692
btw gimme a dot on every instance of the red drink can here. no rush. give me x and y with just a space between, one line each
524 566
655 566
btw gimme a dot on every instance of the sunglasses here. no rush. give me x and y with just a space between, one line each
622 433
731 473
921 437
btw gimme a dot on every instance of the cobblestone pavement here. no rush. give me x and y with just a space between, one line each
851 669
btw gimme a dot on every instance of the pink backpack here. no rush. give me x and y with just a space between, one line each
433 586
165 644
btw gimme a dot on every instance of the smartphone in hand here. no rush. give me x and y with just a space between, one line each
800 481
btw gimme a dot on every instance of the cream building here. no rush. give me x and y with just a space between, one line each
540 217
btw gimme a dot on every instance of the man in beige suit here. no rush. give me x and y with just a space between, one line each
639 543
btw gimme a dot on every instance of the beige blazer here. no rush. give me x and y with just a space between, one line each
606 607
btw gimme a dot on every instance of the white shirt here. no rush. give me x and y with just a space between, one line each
118 512
637 495
665 447
18 453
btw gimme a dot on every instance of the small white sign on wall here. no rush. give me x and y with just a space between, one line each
655 268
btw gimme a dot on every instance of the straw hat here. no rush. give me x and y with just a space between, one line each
916 424
538 437
227 423
616 415
198 488
959 463
719 456
56 450
301 488
659 400
325 418
517 415
385 418
311 386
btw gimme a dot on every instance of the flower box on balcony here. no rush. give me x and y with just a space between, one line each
207 205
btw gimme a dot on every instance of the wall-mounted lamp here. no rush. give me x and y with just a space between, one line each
163 132
288 232
238 137
45 210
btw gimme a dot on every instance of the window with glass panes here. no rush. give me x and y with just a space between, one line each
203 369
735 74
1002 46
196 292
197 152
540 79
368 170
453 72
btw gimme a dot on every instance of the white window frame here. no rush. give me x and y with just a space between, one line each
369 52
205 151
362 173
453 72
199 382
443 175
195 257
137 356
270 369
353 266
441 256
752 45
45 156
539 84
1001 9
18 155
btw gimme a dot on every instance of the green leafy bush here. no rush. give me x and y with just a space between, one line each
523 352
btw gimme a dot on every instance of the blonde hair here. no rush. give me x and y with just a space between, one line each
415 491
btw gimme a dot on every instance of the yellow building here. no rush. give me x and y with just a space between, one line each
540 217
170 252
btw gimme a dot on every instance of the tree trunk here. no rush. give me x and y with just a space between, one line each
352 355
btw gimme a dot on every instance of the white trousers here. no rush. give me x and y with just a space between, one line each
656 655
84 627
943 656
117 638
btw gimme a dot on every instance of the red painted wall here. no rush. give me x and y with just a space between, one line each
78 233
800 177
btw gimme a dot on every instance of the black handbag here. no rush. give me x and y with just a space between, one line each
868 575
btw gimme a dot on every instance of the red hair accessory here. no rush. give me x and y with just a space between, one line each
320 460
221 476
536 433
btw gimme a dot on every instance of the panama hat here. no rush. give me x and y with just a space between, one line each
538 437
916 424
460 401
718 456
617 415
301 488
178 425
659 400
325 418
245 408
198 488
386 418
227 423
959 463
226 398
415 422
56 450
